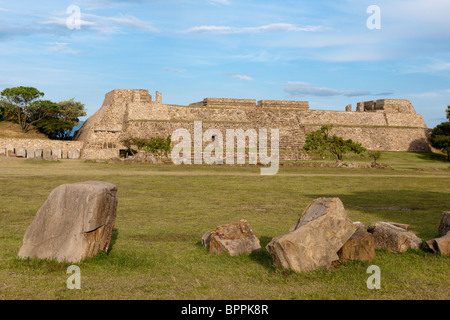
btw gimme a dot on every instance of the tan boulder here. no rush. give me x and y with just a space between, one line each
360 246
75 222
393 238
314 242
441 245
235 238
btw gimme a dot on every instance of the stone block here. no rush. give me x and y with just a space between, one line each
47 154
57 152
30 153
38 154
21 152
74 153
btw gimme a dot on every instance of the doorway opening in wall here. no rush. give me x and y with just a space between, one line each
125 153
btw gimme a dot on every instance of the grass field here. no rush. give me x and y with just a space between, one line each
165 209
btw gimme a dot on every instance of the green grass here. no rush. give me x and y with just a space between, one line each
164 210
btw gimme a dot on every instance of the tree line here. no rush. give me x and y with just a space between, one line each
25 106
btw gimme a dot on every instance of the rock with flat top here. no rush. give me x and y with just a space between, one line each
74 223
235 238
314 242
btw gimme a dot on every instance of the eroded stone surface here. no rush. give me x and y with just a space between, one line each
235 238
320 232
393 238
75 222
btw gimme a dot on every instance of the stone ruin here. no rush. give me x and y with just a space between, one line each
387 124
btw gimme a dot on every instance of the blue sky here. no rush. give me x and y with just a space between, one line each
318 51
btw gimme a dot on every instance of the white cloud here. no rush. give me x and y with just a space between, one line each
174 70
238 76
220 2
214 29
105 24
299 89
61 47
274 27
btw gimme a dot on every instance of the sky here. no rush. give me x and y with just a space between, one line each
330 53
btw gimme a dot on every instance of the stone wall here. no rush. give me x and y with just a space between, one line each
379 125
304 105
386 105
225 102
40 149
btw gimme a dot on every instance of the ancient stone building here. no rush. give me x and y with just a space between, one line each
386 124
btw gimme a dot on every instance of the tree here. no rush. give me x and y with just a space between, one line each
448 112
25 103
60 125
320 141
21 101
440 138
375 155
156 146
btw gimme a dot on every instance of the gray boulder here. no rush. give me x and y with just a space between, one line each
75 222
393 238
444 226
314 242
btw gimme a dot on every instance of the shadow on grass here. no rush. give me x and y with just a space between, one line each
114 236
421 209
263 257
431 156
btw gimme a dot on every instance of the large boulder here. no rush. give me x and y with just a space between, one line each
75 222
360 246
392 237
444 226
235 238
314 242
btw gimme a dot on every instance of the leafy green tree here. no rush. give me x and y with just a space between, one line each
60 125
321 141
25 104
375 155
158 146
440 138
448 112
